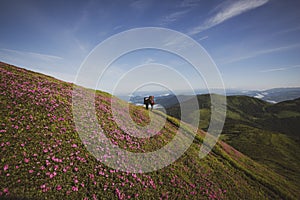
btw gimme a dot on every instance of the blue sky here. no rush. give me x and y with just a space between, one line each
255 44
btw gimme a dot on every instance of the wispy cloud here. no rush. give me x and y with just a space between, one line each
203 38
178 42
149 60
263 52
226 12
141 5
45 57
118 27
185 7
280 68
288 30
173 17
189 3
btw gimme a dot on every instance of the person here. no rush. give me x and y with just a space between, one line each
149 100
146 102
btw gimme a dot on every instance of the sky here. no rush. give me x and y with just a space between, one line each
254 44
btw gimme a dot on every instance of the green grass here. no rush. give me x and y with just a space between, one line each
43 157
268 133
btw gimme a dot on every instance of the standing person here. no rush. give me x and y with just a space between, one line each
151 99
146 102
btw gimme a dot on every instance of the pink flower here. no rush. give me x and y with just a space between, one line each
75 169
74 188
101 173
47 162
94 197
74 145
26 160
5 190
58 187
22 145
5 167
91 176
30 171
53 175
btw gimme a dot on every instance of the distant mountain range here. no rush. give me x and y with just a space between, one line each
274 95
168 99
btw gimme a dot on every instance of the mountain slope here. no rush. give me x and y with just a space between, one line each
42 156
268 133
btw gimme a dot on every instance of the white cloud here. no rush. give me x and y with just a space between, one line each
140 5
179 43
189 3
227 12
280 68
262 52
45 57
173 17
118 27
203 38
288 30
149 60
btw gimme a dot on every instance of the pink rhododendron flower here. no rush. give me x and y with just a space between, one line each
91 176
75 189
74 145
58 187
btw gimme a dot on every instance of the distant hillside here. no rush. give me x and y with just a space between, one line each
42 156
268 133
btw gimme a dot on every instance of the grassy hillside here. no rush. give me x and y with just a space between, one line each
42 156
268 133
